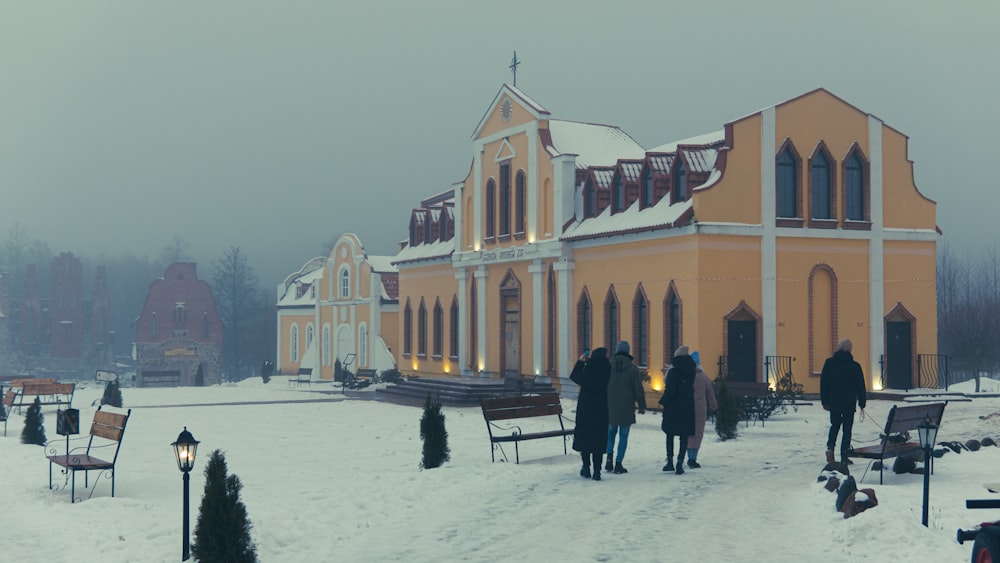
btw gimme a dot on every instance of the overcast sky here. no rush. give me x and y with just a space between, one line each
276 126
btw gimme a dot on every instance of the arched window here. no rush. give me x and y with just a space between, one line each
519 208
309 335
589 199
438 329
180 315
326 345
293 343
345 283
505 199
820 186
640 327
407 329
680 181
453 329
854 188
583 326
647 188
671 324
611 320
422 329
788 187
618 203
491 207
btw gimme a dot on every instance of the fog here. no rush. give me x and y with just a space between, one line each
277 126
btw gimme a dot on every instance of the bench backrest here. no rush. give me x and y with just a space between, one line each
19 382
905 418
521 407
48 388
8 399
109 426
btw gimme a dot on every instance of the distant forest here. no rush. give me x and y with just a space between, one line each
243 304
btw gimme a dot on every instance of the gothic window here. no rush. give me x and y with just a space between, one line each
820 186
611 319
583 327
640 328
854 188
787 184
407 329
309 335
422 329
453 329
180 315
438 329
519 208
505 199
672 324
491 206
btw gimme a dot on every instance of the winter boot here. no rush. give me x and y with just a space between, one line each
693 464
597 467
844 459
670 464
609 466
585 471
692 454
618 467
680 467
829 456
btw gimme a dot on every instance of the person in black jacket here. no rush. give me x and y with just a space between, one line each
841 388
591 373
678 407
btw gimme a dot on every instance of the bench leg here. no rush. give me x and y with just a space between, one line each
112 482
517 455
72 491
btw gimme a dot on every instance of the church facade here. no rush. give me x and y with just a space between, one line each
760 245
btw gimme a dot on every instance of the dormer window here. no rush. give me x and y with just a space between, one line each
680 179
647 189
589 199
618 194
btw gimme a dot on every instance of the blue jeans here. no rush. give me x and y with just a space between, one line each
622 432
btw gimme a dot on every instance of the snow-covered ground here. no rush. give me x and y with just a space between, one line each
340 481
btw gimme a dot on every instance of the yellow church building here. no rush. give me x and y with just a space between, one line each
759 245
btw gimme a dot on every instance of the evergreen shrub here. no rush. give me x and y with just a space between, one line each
34 425
434 435
390 376
222 532
727 417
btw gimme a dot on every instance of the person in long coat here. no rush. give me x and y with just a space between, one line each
704 402
590 436
678 407
624 393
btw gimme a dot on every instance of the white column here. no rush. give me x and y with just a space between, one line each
537 269
875 252
563 191
477 195
481 274
565 328
457 195
768 252
461 275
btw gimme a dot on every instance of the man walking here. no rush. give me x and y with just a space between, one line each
624 391
842 387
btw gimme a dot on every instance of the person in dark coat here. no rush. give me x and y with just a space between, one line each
678 407
841 389
624 393
591 373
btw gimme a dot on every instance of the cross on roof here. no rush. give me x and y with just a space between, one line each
514 63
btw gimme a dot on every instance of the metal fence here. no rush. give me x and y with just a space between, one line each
777 367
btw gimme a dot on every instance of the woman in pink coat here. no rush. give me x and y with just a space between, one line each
704 402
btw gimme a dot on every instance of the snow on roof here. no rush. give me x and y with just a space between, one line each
594 145
631 169
527 99
390 286
700 160
662 163
425 251
603 176
706 139
382 264
292 297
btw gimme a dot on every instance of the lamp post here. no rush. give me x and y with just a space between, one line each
185 449
928 435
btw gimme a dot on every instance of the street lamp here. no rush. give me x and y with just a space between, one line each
185 449
928 435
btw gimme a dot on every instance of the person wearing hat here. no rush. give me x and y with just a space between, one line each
624 392
678 407
704 403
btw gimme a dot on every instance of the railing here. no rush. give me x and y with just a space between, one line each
881 371
932 370
777 367
729 368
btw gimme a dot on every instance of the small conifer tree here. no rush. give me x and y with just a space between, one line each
727 418
199 376
222 532
34 425
112 394
434 435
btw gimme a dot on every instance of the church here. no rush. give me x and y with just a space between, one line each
760 245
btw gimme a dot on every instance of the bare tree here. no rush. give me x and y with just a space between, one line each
236 293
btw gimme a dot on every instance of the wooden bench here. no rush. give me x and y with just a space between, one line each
304 376
362 379
524 406
895 439
748 395
47 393
8 407
109 428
